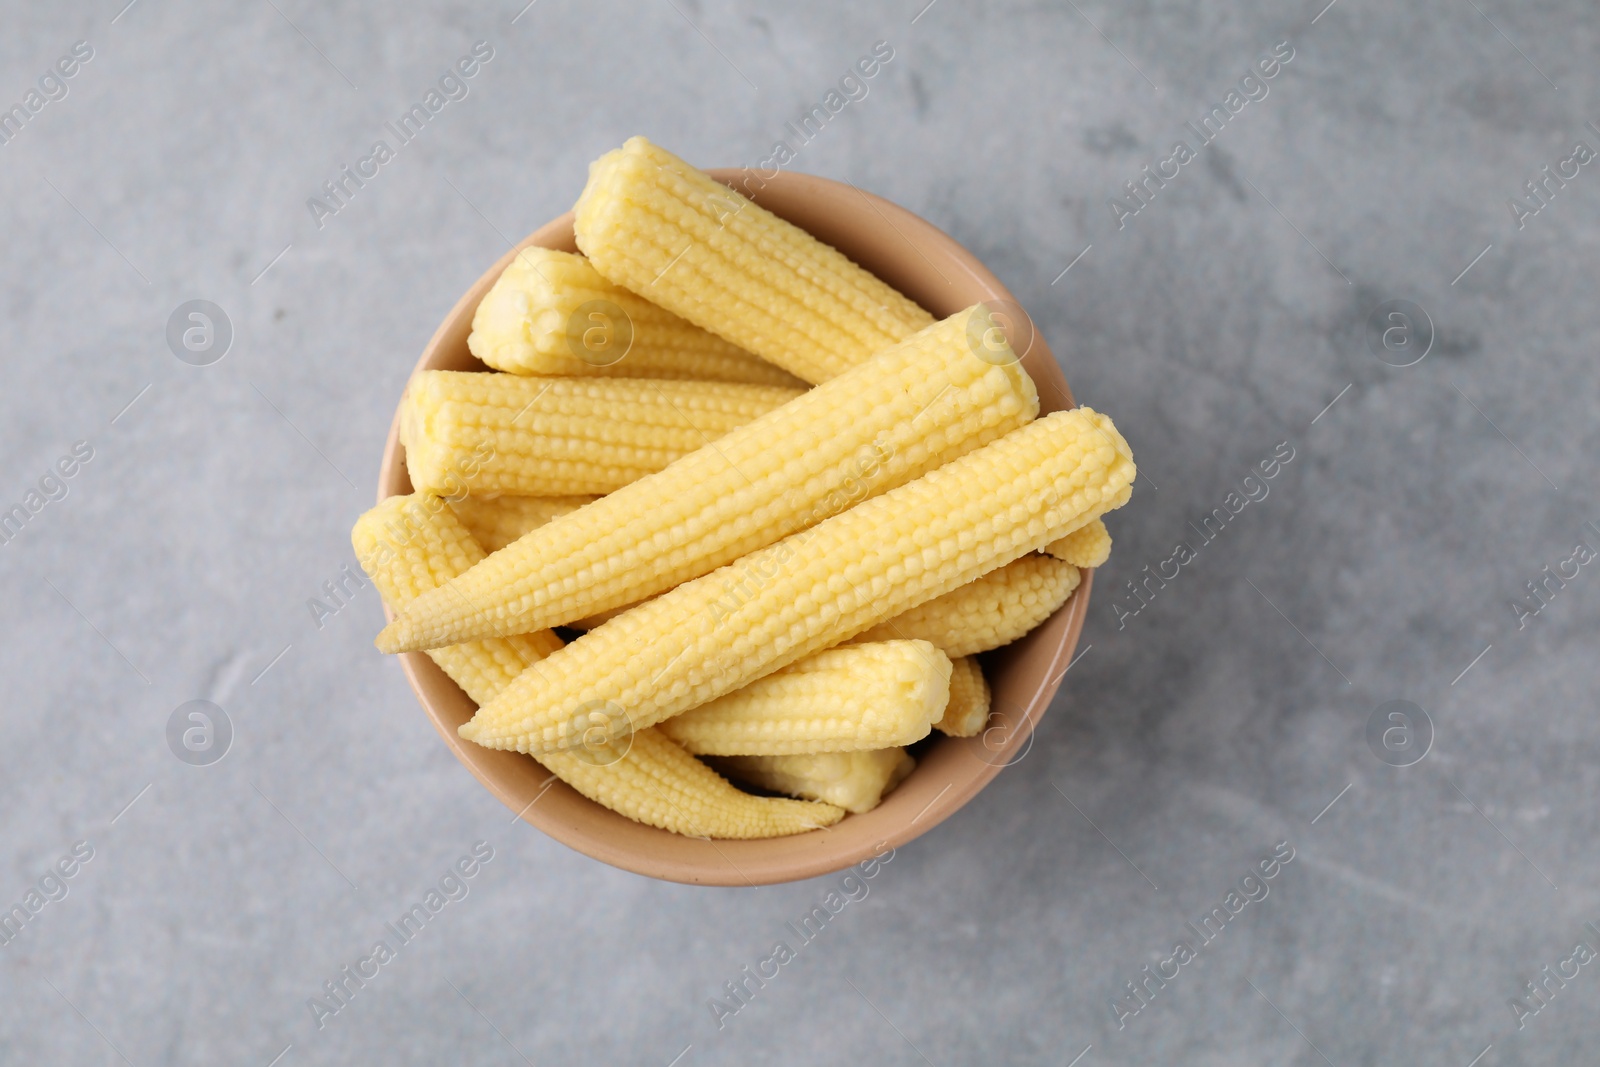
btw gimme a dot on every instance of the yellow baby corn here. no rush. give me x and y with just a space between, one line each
659 784
551 313
589 622
856 781
995 610
968 709
411 544
1087 546
496 521
841 700
503 433
820 586
909 409
651 223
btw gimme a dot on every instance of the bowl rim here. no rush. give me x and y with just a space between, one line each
559 811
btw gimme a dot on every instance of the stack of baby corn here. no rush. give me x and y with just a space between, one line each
787 507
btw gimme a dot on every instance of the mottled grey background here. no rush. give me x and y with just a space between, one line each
1223 718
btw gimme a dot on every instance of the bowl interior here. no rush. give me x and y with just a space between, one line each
928 266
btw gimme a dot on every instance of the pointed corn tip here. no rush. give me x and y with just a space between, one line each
394 637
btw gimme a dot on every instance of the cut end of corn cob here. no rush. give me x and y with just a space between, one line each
909 409
842 700
994 610
410 544
968 709
551 312
855 781
1087 546
496 521
653 224
467 432
824 585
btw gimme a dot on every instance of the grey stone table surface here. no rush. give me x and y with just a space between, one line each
1234 307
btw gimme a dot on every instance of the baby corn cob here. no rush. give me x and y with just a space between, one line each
551 313
503 433
968 709
589 622
651 223
821 586
909 409
1087 546
659 784
840 700
411 544
856 781
496 521
648 778
995 610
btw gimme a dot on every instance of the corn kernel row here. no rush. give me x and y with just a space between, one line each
993 610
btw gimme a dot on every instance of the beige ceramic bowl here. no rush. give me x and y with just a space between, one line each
930 268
